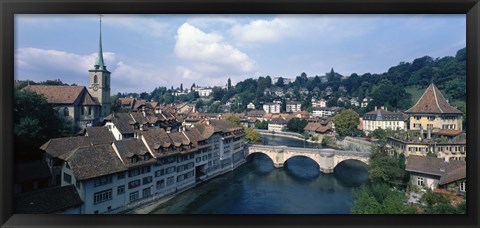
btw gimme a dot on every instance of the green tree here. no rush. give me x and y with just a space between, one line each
346 122
261 125
436 203
280 82
116 105
379 134
379 199
35 122
252 136
297 125
234 119
384 168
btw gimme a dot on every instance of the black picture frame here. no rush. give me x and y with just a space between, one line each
471 8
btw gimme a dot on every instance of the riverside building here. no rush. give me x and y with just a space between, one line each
113 174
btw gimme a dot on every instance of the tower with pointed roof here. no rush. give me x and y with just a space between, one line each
433 111
99 85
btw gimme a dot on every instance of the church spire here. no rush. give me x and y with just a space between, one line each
99 64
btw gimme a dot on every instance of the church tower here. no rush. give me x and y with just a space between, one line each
99 85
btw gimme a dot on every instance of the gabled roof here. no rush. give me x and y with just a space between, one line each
446 171
99 135
48 200
156 138
122 122
432 101
58 146
64 94
93 161
129 147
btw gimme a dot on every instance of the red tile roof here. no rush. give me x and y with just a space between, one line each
63 94
432 101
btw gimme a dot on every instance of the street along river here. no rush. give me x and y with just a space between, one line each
258 188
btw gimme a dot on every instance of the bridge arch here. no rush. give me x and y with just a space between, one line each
269 155
341 159
289 158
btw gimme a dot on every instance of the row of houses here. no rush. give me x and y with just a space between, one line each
104 173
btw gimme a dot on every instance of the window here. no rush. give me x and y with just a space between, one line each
121 176
134 196
89 110
420 181
102 180
431 118
180 178
133 184
146 169
106 81
146 192
180 168
170 181
67 178
121 190
102 196
160 184
159 172
133 172
95 79
463 186
170 169
65 112
147 180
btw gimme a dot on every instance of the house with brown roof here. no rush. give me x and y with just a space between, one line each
73 103
112 175
433 173
432 111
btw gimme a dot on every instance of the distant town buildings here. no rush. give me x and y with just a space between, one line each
294 106
366 101
383 119
271 108
250 106
277 124
325 111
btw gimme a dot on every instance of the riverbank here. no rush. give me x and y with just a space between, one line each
151 206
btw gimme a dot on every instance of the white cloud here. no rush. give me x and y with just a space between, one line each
39 65
199 47
261 31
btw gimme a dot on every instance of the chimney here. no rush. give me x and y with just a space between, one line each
429 132
144 113
208 122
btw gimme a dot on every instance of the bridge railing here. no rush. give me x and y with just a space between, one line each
310 150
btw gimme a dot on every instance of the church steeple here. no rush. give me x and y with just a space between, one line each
99 63
99 85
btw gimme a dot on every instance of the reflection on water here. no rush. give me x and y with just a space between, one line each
258 188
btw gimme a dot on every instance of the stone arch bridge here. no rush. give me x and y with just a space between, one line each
327 159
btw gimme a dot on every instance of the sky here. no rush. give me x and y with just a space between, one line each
147 51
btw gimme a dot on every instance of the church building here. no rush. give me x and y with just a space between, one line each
78 105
